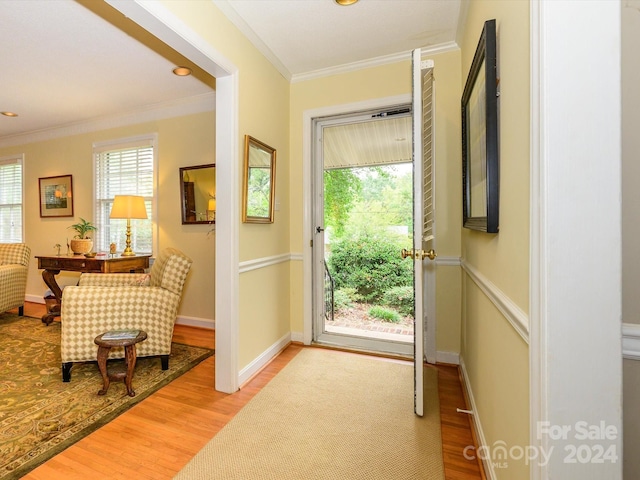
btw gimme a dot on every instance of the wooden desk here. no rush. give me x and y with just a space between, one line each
78 263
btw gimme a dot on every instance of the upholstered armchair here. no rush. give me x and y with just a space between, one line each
14 265
117 301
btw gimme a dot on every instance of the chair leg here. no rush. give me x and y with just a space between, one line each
164 359
66 371
21 310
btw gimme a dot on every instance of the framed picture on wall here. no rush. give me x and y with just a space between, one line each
480 160
56 196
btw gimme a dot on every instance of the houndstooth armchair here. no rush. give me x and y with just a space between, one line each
14 265
115 301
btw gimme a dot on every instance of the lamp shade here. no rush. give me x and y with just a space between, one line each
212 204
128 206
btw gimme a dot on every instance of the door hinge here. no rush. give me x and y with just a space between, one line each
311 243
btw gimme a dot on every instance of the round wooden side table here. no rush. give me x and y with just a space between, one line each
126 373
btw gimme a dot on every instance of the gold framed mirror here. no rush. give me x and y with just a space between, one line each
198 194
259 181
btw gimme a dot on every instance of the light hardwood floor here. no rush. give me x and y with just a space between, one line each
157 437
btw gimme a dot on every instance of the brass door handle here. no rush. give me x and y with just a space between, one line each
419 254
406 253
431 254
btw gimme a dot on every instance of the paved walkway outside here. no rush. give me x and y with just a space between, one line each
356 321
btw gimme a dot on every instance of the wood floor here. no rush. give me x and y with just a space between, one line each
157 437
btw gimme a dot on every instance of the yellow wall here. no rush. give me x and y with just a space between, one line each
495 356
381 82
273 286
182 141
263 112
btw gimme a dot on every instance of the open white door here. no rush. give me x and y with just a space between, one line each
423 225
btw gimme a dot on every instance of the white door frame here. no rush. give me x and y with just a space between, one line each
160 22
363 342
575 307
308 217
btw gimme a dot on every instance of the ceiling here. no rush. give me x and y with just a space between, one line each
303 37
65 65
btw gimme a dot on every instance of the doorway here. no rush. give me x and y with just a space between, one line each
363 217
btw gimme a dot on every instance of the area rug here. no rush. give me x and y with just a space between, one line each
329 415
40 415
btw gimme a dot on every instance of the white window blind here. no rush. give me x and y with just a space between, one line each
126 168
11 200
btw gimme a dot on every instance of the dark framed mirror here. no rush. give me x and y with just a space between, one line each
480 160
198 194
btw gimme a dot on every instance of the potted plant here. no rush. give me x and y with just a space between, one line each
81 243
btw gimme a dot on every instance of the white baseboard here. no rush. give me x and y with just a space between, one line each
34 298
263 359
208 323
297 337
488 467
452 358
631 341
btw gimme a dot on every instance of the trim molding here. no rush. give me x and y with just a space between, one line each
488 465
452 358
631 341
208 323
372 62
263 359
448 261
263 262
518 319
34 298
174 108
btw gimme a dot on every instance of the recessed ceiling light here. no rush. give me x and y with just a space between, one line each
344 3
9 114
182 71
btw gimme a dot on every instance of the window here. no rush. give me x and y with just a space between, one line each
11 199
125 167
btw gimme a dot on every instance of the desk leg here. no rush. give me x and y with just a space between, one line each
49 277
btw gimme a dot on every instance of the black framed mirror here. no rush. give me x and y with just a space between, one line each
480 159
198 194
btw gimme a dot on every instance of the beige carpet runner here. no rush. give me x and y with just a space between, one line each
329 415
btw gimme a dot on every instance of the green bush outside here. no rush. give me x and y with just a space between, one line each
400 298
344 297
385 314
369 264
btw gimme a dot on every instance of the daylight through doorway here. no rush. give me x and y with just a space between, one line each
364 221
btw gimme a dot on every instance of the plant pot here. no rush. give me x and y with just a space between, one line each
80 246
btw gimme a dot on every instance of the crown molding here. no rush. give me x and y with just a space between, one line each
159 111
373 62
254 38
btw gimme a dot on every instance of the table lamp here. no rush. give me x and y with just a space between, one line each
211 209
128 206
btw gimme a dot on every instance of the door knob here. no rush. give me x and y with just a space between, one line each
406 253
431 254
419 254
